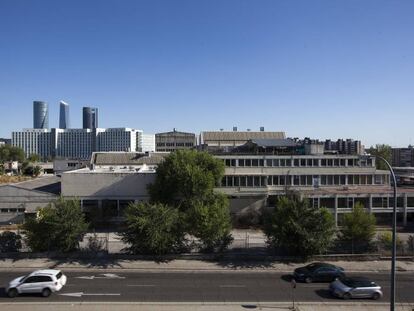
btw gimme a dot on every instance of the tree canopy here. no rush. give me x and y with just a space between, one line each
57 227
384 151
358 227
183 193
11 153
184 175
153 229
295 228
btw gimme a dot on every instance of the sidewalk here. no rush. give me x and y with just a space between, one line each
351 306
195 265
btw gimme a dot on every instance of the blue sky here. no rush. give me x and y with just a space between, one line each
324 69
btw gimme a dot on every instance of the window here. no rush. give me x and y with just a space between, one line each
275 162
302 162
282 162
296 180
350 179
315 162
242 181
261 162
257 181
309 162
296 162
248 162
241 162
323 162
288 162
255 162
303 180
269 162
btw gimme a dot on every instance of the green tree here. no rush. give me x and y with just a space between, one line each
57 227
153 229
209 221
358 227
384 151
10 242
11 153
295 228
185 181
33 158
185 175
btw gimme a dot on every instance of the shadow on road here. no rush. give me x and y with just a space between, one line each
325 294
287 277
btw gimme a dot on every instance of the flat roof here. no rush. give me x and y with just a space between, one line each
49 184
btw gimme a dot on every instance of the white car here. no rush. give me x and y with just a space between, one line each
44 282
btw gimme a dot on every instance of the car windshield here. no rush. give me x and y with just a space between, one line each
23 278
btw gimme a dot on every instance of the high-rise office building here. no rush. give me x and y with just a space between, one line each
40 115
64 115
90 118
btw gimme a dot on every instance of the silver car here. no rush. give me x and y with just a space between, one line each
355 287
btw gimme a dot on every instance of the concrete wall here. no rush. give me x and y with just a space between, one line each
106 185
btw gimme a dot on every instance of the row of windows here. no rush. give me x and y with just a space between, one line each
302 180
12 210
304 162
175 144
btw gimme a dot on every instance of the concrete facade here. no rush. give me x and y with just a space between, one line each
172 141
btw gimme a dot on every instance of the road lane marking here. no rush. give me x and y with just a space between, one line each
80 294
142 285
235 286
105 276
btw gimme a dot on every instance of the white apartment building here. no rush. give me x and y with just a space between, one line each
79 143
148 143
116 139
34 141
73 143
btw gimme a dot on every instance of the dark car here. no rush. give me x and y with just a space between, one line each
356 287
318 272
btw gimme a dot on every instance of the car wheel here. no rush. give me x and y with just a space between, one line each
12 292
46 292
346 296
376 296
308 279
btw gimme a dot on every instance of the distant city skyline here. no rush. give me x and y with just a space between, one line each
322 69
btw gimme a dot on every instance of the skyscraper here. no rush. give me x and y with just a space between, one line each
90 118
40 115
64 115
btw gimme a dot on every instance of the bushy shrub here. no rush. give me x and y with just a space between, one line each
10 242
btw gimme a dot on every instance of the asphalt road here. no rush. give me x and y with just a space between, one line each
188 287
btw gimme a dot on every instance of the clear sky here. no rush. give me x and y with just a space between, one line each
324 69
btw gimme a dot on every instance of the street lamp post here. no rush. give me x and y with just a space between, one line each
394 235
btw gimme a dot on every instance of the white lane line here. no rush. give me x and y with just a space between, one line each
142 285
231 285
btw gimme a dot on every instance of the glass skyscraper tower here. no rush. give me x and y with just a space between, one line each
90 118
64 115
40 115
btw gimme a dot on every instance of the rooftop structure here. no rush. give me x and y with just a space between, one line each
174 140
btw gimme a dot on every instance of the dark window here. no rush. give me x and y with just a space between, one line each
275 162
241 162
309 162
255 162
282 162
323 162
248 162
288 162
315 162
302 162
261 162
269 162
296 180
296 162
